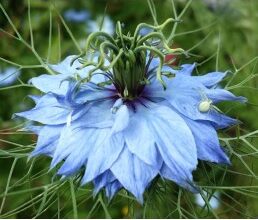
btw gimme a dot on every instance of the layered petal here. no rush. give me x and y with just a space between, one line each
104 153
207 142
47 140
174 140
184 94
211 79
181 177
141 141
133 173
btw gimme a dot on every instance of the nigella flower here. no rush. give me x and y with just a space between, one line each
107 26
76 15
125 117
9 76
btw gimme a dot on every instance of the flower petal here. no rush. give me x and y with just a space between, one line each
210 79
47 140
140 139
112 188
51 83
133 173
174 139
103 154
219 95
121 119
185 94
47 111
181 177
74 141
102 180
98 116
207 142
9 76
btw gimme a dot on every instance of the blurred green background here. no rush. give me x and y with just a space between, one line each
217 34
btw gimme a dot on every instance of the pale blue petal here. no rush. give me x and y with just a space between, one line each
112 189
47 111
220 121
99 115
211 79
121 119
47 140
67 68
9 76
133 173
140 139
185 69
207 142
153 63
103 154
51 83
102 180
174 139
219 95
185 94
35 98
32 128
76 15
72 141
94 95
181 177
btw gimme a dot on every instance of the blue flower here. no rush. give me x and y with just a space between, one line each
107 26
126 143
9 76
76 15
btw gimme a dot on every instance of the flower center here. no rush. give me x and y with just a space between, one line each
126 56
129 73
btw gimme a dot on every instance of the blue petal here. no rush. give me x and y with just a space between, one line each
181 177
220 121
133 173
140 139
174 139
66 67
56 83
219 95
47 140
76 16
9 76
211 79
99 115
51 83
102 180
186 69
47 111
87 95
112 189
153 62
185 94
32 128
103 154
75 143
107 26
145 30
207 142
121 119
